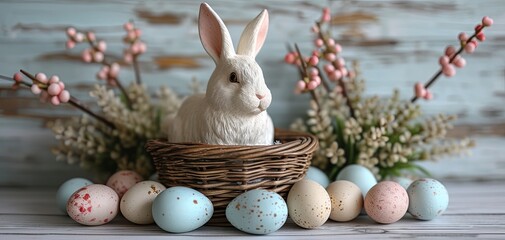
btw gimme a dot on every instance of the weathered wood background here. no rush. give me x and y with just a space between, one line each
396 42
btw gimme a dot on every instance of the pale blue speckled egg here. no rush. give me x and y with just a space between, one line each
257 212
67 189
181 209
315 174
428 198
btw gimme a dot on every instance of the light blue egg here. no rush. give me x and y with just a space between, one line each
257 212
359 175
403 181
315 174
181 209
67 189
428 198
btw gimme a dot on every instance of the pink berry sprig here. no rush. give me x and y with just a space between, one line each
329 50
52 90
135 47
308 69
132 38
96 51
452 58
109 73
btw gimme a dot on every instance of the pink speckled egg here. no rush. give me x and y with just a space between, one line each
386 202
123 180
95 204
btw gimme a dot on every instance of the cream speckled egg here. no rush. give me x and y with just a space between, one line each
95 204
386 202
346 200
309 204
123 180
136 204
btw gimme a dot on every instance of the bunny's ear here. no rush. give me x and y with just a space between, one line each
214 35
254 35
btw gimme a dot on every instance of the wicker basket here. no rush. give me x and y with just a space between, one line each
222 172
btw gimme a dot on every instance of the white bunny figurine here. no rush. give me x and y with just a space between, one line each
233 109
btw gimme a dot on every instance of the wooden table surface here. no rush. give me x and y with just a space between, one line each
476 210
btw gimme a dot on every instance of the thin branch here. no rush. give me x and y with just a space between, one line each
72 101
437 75
136 69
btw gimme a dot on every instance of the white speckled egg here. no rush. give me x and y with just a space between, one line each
315 174
346 200
95 204
428 198
136 204
359 175
67 189
181 209
309 204
257 212
386 202
123 180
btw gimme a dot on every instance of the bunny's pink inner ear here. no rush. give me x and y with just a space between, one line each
262 34
213 33
210 32
254 35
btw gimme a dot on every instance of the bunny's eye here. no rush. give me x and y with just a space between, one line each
233 77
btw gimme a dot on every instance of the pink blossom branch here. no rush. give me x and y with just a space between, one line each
72 101
303 68
96 53
453 57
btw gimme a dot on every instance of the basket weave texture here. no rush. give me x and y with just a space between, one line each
222 172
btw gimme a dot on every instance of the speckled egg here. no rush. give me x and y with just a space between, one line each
67 189
386 202
257 212
123 180
95 204
309 204
136 204
315 174
428 198
359 175
346 200
181 209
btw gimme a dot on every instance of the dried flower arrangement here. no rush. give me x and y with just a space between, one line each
384 135
114 138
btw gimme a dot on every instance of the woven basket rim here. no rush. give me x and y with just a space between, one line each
294 143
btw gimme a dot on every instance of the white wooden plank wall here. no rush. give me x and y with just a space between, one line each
397 43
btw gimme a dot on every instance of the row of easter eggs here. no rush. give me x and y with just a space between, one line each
309 204
176 209
384 202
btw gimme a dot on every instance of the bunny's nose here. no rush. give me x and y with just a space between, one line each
259 96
